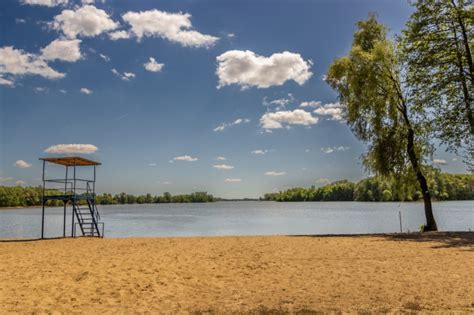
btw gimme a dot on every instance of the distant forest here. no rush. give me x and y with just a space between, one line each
17 196
402 188
444 186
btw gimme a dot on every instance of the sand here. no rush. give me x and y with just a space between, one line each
433 272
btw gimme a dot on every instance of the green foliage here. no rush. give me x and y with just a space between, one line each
17 196
437 48
377 188
370 89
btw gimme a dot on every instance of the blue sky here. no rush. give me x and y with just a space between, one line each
240 80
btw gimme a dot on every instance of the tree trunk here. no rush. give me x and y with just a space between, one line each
430 220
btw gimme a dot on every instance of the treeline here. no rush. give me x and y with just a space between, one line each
123 198
443 186
17 196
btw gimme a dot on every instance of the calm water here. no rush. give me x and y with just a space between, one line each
246 218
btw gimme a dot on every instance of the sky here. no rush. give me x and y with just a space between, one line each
226 97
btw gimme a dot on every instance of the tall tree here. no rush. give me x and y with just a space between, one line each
376 106
438 46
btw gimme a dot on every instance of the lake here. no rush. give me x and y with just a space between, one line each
246 218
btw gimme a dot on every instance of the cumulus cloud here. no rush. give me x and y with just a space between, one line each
186 158
440 162
87 21
296 117
313 104
22 164
16 62
273 173
153 66
221 158
152 164
20 183
329 150
232 180
238 121
46 3
72 148
175 27
86 91
247 69
62 49
259 152
333 110
223 167
126 76
119 35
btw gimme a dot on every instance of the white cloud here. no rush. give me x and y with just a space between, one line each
280 103
63 91
22 164
20 183
310 104
231 35
440 162
221 158
19 21
40 89
47 3
296 117
247 69
186 158
4 81
175 27
86 21
329 150
72 148
119 35
334 110
126 76
259 152
62 49
16 62
232 180
273 173
105 57
152 164
153 66
86 91
223 167
238 121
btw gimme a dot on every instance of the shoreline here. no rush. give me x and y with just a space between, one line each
251 274
217 201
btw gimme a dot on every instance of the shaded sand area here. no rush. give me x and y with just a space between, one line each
387 273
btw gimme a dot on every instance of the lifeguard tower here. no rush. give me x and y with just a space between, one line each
77 192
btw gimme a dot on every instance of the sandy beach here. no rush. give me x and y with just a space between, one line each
386 273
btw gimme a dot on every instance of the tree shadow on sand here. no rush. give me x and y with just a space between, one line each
444 239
